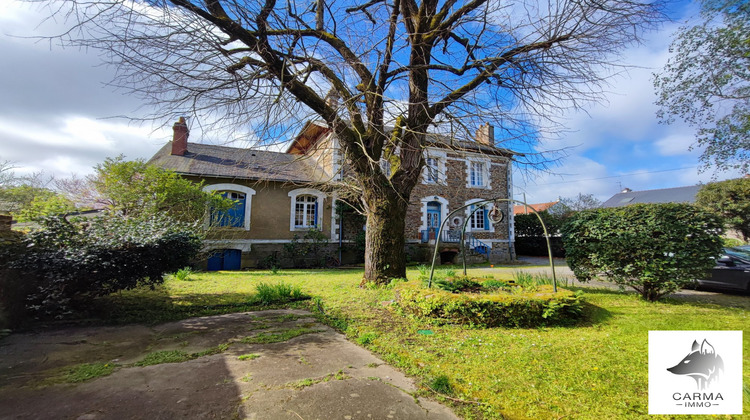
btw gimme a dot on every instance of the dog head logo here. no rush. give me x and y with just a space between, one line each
702 364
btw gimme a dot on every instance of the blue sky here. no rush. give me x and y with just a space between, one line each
55 109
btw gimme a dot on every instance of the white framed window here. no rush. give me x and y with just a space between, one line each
479 219
306 210
477 173
385 167
434 167
431 170
239 215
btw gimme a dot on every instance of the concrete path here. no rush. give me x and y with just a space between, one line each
317 375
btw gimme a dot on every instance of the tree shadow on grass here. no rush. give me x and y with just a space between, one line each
726 300
592 315
155 306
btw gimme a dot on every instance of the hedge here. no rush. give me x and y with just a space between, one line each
536 307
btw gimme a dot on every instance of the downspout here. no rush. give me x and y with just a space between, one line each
341 211
511 215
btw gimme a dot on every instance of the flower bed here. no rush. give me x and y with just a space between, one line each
514 306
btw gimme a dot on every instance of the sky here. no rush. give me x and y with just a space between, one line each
58 115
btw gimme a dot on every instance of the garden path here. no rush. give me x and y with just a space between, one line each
318 375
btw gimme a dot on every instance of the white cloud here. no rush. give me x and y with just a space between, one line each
576 175
675 145
73 144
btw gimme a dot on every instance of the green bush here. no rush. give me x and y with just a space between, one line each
519 309
654 248
493 284
309 252
457 284
70 263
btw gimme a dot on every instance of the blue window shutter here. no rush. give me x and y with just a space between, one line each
223 216
315 222
237 213
486 220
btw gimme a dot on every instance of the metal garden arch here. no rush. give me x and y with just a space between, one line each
478 205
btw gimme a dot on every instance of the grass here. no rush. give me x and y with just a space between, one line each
164 356
178 356
304 383
597 370
278 336
88 371
251 356
182 274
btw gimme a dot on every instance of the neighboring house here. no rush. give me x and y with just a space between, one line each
283 195
539 207
664 195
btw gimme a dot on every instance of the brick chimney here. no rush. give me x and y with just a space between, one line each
179 140
486 134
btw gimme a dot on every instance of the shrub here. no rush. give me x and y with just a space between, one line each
182 274
519 309
71 263
310 251
654 248
14 286
493 284
458 284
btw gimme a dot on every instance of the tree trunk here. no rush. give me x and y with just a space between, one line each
384 250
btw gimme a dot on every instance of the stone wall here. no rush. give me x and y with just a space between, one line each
454 190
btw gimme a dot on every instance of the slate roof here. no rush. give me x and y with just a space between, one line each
207 160
665 195
433 139
439 140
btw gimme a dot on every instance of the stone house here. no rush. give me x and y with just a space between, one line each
282 197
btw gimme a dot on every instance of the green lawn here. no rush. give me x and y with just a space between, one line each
597 370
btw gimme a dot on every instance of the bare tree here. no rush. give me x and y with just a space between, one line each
7 176
407 64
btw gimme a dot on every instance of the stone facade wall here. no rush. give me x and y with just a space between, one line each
270 214
454 190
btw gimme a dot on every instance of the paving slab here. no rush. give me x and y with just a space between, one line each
317 375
